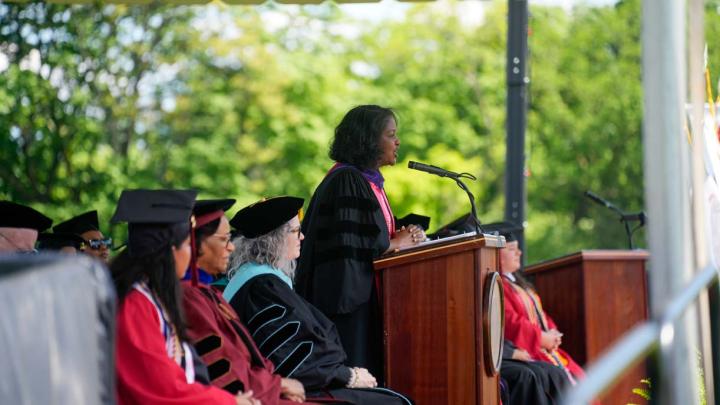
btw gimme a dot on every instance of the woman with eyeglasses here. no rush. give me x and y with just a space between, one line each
213 327
154 363
300 341
212 244
87 226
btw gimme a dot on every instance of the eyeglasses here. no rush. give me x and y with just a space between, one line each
226 239
19 250
97 244
296 231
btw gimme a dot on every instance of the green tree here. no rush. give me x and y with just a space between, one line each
71 98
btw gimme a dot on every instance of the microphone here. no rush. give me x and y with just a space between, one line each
625 218
600 200
433 170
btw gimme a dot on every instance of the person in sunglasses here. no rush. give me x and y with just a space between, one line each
87 226
19 227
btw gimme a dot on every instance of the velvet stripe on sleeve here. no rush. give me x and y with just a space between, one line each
297 338
344 232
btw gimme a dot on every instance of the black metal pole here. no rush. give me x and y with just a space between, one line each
516 115
714 304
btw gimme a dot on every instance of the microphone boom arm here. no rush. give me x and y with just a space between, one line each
473 209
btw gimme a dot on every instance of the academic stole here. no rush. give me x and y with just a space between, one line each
534 311
176 349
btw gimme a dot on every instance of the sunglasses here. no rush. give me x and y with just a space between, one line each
96 244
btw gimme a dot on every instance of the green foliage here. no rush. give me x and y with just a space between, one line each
242 102
642 391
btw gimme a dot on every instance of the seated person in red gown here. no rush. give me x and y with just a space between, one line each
154 363
234 361
527 325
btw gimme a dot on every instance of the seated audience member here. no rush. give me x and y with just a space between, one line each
19 227
87 227
154 364
301 341
234 361
526 324
66 243
529 381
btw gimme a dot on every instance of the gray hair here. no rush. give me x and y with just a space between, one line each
270 249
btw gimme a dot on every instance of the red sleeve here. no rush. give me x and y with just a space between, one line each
518 327
145 374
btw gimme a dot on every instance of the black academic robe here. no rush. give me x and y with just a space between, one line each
345 231
301 341
531 382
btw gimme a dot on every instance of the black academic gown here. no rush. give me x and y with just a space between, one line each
531 382
300 341
345 231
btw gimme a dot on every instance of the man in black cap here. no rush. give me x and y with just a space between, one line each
19 227
87 227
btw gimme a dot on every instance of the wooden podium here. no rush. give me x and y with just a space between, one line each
595 296
433 314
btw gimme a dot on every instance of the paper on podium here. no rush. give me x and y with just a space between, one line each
439 241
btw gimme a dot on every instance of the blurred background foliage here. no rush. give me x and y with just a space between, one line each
242 102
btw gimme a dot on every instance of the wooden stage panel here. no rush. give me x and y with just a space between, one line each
595 297
421 340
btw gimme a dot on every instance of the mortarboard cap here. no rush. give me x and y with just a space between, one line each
413 219
204 207
154 206
13 215
155 218
506 229
57 241
79 224
264 216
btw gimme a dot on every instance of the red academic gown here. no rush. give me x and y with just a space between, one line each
145 373
234 361
523 327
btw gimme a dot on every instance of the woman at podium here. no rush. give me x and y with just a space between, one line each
348 224
527 325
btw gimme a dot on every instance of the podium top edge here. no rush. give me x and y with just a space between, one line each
590 256
439 248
